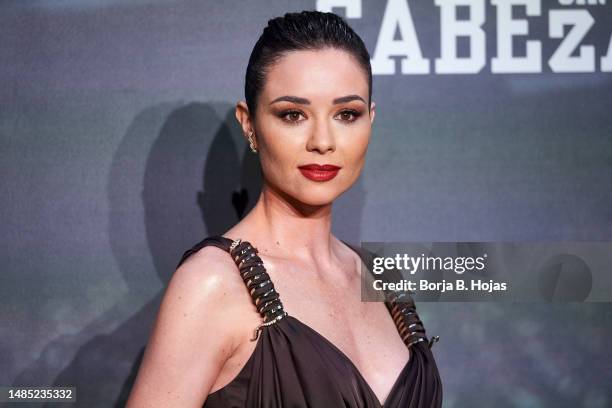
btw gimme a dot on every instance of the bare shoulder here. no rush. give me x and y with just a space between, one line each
209 271
199 326
207 285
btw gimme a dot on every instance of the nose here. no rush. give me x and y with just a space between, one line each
321 138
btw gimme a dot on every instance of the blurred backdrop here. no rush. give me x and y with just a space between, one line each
119 150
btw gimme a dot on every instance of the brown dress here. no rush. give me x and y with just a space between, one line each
294 366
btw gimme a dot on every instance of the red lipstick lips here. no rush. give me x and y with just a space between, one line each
318 172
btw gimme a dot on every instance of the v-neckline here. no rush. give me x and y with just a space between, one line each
353 366
335 348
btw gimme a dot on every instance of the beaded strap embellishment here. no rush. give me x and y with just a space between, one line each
407 321
402 308
258 283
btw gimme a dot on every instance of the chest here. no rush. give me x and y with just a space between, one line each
332 306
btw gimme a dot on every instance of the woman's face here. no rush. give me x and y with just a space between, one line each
313 109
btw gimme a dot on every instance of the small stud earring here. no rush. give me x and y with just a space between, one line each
251 144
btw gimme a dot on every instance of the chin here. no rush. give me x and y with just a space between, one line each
311 193
319 195
317 201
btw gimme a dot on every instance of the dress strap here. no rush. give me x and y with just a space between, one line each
253 273
402 308
216 240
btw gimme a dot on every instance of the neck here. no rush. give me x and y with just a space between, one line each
293 228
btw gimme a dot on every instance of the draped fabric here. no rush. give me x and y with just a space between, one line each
294 366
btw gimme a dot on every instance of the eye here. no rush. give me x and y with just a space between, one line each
291 116
349 115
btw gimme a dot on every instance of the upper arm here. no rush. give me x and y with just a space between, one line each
191 338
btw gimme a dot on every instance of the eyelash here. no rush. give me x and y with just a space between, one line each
353 112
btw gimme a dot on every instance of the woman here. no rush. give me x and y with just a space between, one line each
308 115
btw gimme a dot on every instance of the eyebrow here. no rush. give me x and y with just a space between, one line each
304 101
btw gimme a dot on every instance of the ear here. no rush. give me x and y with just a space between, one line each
372 112
244 118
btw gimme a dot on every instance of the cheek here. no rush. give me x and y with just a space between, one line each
279 155
355 149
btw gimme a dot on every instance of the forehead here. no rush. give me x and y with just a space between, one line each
316 74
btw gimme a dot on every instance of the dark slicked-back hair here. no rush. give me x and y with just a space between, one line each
306 30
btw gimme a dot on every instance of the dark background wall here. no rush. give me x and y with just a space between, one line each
119 150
